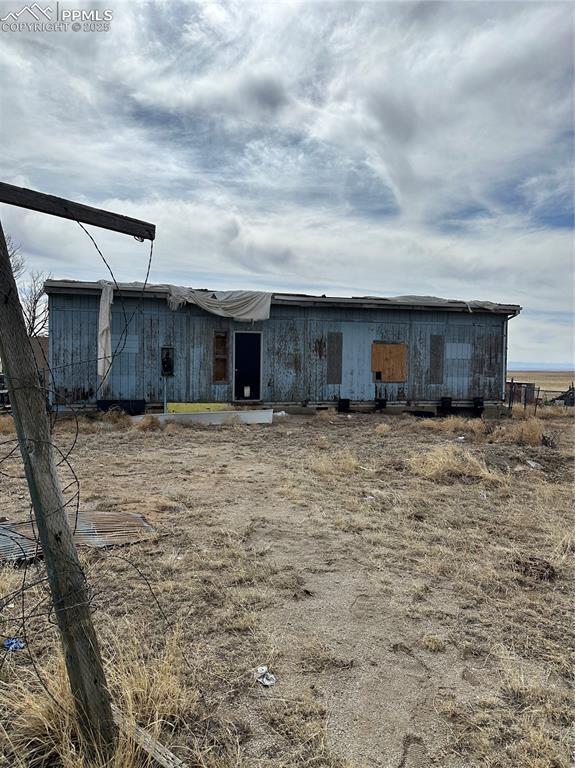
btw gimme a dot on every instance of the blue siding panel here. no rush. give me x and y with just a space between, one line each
294 352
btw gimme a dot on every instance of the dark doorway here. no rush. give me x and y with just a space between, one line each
248 366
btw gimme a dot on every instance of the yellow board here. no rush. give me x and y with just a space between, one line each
193 407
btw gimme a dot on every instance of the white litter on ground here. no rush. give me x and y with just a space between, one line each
265 677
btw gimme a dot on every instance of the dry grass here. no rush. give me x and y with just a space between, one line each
340 463
156 689
181 687
433 643
272 537
527 432
7 426
328 414
552 412
383 428
181 683
524 724
148 423
455 425
158 692
10 581
445 463
117 418
82 424
544 412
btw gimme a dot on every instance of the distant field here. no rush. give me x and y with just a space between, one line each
550 380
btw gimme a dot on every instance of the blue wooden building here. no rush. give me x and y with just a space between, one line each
408 350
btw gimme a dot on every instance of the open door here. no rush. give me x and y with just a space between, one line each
247 365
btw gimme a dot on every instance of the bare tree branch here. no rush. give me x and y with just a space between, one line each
17 260
35 304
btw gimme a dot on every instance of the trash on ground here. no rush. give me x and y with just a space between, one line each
280 413
534 464
14 644
265 677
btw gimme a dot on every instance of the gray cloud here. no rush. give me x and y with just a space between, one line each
353 148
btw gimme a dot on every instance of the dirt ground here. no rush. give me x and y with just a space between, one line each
409 582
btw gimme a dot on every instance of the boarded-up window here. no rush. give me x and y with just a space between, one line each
220 357
334 343
488 356
436 359
389 361
167 359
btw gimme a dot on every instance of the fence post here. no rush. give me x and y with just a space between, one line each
70 596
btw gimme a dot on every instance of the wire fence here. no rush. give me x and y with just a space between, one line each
25 625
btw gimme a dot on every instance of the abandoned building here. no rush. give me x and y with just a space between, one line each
128 342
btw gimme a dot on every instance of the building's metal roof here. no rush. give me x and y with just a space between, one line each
302 299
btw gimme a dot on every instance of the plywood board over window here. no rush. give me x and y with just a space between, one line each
389 361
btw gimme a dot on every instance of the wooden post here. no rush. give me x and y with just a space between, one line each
67 581
511 395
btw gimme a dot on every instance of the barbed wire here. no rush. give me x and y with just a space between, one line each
57 403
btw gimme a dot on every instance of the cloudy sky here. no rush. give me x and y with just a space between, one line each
345 148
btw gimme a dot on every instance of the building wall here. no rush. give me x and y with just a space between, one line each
449 354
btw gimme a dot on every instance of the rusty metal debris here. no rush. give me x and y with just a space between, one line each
92 528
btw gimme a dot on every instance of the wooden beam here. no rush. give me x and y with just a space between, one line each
160 754
66 209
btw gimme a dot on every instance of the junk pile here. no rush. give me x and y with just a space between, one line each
567 397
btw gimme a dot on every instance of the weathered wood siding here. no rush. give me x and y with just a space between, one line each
309 353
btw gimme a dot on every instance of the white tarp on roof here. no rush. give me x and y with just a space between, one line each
244 306
105 330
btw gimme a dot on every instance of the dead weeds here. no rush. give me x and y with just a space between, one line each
343 463
455 425
523 724
470 565
148 423
529 431
7 426
445 463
